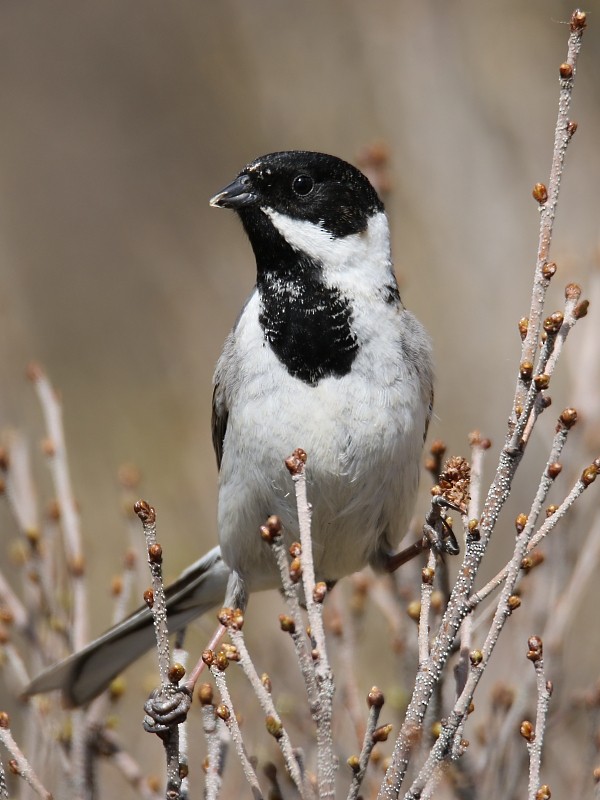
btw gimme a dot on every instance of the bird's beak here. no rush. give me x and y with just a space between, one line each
236 195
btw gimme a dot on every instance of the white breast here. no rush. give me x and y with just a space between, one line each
363 431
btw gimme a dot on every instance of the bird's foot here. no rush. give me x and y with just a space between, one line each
166 706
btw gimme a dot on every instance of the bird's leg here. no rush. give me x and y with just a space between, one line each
437 534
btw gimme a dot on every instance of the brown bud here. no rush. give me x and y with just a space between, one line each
295 550
431 465
319 592
295 570
223 712
176 672
541 381
553 322
53 510
578 20
536 647
225 616
533 559
540 193
6 615
4 720
145 512
526 370
572 127
438 448
436 729
287 623
589 474
572 291
221 661
230 651
513 602
473 525
13 766
116 688
354 763
274 726
520 522
527 730
149 597
271 529
475 657
566 71
551 510
581 309
237 620
375 698
414 610
295 463
549 270
266 682
77 566
208 656
427 576
48 447
543 793
116 586
523 327
205 694
155 554
34 371
381 734
568 417
554 470
471 707
128 476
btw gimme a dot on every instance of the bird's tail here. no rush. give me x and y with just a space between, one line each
83 675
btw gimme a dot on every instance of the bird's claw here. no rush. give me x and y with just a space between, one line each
166 707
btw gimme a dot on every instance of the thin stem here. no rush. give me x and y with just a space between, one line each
234 729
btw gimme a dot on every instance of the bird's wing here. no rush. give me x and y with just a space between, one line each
220 415
83 675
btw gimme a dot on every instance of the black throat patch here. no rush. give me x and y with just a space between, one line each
308 324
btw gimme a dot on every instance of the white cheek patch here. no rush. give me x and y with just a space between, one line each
365 251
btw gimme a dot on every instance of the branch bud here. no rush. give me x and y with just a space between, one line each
540 193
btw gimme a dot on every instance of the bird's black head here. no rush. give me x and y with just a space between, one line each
302 185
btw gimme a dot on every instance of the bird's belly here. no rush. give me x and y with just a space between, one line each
363 447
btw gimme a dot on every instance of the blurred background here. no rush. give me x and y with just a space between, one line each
121 119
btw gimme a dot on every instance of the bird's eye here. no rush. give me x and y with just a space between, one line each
303 184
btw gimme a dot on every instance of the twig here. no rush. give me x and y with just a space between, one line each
226 713
56 450
165 697
217 739
19 764
479 659
314 595
535 740
427 577
271 533
359 765
548 198
274 724
587 477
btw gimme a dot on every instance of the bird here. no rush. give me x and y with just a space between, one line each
324 357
